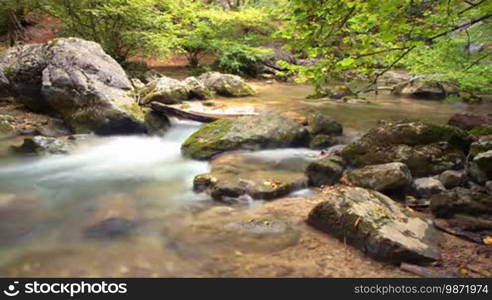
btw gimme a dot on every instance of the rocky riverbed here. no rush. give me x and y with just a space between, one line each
96 183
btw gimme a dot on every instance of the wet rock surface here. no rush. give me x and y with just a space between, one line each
237 175
376 224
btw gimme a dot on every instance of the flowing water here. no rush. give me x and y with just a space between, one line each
50 206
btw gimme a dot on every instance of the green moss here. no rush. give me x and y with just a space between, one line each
208 140
481 131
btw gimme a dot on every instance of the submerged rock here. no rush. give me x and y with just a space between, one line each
428 186
116 216
41 145
461 201
424 148
383 177
326 171
264 131
375 224
235 175
76 79
226 84
164 90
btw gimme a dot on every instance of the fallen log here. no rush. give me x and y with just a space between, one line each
191 115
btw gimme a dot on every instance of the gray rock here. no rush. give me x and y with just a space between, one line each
326 171
265 131
488 186
323 141
197 89
423 88
481 167
461 201
426 149
156 124
383 177
226 84
41 145
164 90
76 79
428 186
323 124
377 225
151 75
451 179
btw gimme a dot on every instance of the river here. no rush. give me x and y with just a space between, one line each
48 203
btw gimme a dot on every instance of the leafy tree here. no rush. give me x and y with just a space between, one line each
234 37
370 37
123 27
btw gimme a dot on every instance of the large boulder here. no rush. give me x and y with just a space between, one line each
424 148
383 177
75 79
376 224
243 174
326 171
226 84
264 131
165 90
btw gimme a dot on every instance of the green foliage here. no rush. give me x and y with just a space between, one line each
12 17
233 37
240 59
369 37
123 27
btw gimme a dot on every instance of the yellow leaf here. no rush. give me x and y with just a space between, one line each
487 240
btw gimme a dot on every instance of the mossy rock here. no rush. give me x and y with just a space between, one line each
265 131
424 148
375 224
